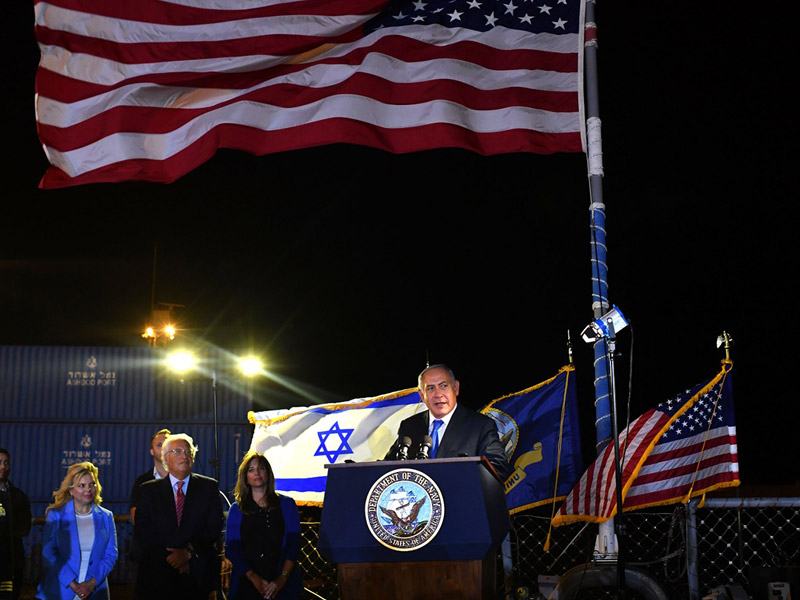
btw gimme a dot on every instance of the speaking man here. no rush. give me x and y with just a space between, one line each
178 525
455 430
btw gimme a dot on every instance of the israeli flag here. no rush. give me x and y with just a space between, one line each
299 442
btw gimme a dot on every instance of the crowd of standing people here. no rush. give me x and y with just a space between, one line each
180 535
180 538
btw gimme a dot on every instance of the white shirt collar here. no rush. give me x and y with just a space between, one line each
173 480
445 421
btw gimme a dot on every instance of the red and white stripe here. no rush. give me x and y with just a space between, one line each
694 464
150 90
594 498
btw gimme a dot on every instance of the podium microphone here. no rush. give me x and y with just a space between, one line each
425 447
402 451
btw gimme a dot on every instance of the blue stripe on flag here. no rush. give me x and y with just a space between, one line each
306 484
399 401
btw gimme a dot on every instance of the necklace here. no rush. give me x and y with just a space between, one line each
78 512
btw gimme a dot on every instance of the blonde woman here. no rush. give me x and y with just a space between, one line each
79 546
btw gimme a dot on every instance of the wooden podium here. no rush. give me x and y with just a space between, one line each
446 550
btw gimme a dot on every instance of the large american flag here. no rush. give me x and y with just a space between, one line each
150 89
683 448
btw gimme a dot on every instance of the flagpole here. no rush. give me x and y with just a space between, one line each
607 546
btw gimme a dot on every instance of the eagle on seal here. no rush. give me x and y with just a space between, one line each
404 523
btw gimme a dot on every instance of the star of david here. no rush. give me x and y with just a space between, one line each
344 447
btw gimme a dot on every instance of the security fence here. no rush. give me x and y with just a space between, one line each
688 550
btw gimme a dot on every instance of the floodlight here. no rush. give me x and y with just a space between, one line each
606 326
181 361
250 365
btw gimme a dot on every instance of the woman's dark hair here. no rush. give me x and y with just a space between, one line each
243 493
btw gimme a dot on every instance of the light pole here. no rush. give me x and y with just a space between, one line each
604 331
183 361
160 327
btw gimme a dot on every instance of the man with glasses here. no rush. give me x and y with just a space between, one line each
178 525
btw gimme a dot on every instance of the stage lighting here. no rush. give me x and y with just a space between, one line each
606 326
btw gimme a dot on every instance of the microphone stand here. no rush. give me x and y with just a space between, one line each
424 448
618 526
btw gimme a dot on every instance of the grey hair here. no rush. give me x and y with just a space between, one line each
442 367
174 437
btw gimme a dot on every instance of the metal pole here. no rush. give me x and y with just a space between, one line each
606 544
691 550
618 467
600 303
216 436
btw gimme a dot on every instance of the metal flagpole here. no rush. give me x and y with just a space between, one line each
607 545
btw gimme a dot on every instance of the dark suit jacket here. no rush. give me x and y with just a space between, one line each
143 478
468 433
156 529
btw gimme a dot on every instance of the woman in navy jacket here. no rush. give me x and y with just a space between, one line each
79 547
262 538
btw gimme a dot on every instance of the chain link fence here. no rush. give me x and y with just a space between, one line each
735 539
749 542
746 542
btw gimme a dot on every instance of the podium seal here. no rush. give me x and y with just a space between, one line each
404 509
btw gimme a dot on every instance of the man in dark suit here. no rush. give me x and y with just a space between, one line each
178 526
157 472
455 430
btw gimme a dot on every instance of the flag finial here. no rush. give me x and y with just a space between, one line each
725 340
569 349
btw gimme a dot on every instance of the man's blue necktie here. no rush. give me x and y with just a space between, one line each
435 435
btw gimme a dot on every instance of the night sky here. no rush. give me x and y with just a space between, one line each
348 268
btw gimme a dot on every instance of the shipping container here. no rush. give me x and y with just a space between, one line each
41 455
116 385
62 405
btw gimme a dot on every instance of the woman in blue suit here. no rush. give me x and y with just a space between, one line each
79 547
262 538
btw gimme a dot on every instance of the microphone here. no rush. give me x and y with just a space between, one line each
425 447
402 451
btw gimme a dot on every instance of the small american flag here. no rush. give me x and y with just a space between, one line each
150 89
683 448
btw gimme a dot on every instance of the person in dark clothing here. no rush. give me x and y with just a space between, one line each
157 472
454 429
262 538
178 526
15 524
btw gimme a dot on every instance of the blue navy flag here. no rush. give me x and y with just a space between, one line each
149 90
539 428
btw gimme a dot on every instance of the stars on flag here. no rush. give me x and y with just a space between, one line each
698 418
537 16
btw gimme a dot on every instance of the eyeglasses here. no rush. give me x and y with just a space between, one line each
179 451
